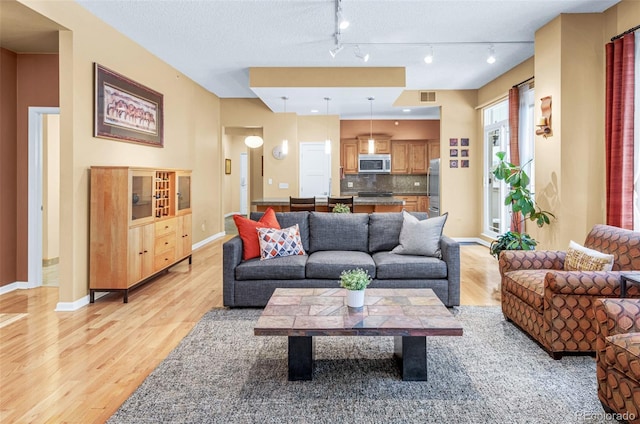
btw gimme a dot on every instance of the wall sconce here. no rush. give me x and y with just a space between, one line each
544 123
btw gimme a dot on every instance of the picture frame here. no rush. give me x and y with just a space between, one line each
464 163
453 142
464 153
227 166
125 110
453 153
464 141
453 164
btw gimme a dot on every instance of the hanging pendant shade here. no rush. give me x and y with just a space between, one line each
253 141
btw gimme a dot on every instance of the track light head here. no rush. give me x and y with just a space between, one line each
360 55
429 57
343 23
334 51
491 59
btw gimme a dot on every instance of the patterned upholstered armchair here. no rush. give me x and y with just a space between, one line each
556 306
618 356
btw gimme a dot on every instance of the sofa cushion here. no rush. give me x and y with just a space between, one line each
392 266
329 264
247 231
284 242
420 237
338 231
384 229
527 285
580 258
280 268
289 219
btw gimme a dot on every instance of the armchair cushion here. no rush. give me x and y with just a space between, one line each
528 286
580 258
623 354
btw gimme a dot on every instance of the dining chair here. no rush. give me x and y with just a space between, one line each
331 202
297 204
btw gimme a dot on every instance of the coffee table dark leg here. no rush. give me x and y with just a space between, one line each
411 354
301 357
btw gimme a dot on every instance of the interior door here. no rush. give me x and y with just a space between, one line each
315 170
243 184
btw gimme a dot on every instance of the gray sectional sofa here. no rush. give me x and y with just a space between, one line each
335 242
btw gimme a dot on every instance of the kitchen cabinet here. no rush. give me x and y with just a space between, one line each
382 144
140 224
433 147
415 203
349 156
423 203
409 157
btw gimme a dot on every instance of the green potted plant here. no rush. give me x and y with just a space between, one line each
341 208
355 281
523 206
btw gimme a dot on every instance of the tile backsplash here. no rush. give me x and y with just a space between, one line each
398 184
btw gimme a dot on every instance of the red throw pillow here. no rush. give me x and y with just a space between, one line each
247 229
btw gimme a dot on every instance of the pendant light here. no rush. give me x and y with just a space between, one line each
327 142
372 143
285 142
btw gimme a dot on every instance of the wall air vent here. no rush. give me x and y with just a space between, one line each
428 96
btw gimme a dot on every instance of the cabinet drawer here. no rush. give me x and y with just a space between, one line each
164 259
165 226
166 242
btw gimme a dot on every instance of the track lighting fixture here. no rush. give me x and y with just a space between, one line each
343 23
360 54
492 55
429 57
337 49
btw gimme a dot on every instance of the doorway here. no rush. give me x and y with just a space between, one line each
244 192
315 170
41 125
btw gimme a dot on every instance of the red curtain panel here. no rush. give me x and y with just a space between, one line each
619 131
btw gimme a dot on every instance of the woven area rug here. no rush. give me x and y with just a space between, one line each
222 373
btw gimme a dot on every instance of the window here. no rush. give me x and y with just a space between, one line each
496 139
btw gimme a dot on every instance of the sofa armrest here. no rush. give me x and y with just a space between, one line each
617 316
589 283
451 255
231 258
513 260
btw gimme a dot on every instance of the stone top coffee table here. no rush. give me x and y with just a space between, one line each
407 314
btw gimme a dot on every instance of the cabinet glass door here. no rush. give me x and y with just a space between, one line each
141 196
184 192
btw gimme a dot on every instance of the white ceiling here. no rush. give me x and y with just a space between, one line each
215 42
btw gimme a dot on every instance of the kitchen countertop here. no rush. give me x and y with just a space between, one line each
322 201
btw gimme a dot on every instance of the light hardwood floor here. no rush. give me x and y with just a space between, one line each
79 367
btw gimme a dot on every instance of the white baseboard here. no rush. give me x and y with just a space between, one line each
208 240
471 240
18 285
74 306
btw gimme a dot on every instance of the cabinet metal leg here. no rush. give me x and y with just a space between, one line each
126 296
92 296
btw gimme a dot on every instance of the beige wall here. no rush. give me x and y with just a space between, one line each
275 127
51 187
191 132
427 129
461 187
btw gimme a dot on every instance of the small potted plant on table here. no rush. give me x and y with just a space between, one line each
355 281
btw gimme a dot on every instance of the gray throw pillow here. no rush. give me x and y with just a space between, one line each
420 237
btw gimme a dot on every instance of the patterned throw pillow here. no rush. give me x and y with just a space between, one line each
275 242
580 258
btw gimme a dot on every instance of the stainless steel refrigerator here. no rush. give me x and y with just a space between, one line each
433 187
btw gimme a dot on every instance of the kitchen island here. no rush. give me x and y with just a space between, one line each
360 204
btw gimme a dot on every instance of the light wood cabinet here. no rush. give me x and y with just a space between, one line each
349 156
140 224
433 147
381 144
409 157
415 203
423 203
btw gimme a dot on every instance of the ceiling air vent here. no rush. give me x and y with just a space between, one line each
427 96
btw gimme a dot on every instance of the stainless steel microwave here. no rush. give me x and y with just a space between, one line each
374 164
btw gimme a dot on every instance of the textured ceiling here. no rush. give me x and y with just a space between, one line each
215 42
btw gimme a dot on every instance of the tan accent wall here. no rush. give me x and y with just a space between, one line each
498 89
8 146
51 187
327 77
461 187
191 132
247 113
